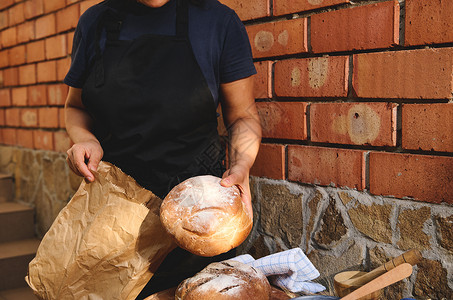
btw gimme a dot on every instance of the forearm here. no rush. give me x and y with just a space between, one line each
244 142
78 121
78 124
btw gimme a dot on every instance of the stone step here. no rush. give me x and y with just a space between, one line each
6 188
14 259
24 293
16 222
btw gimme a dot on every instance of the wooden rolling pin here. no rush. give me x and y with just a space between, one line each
411 257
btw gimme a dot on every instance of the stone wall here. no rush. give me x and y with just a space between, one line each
342 229
43 180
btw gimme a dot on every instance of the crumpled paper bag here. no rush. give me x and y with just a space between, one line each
105 244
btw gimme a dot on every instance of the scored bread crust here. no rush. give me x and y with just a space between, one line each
204 217
225 280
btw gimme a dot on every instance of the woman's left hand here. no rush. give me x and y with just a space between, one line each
239 176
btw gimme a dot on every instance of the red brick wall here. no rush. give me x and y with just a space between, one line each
35 46
355 94
350 94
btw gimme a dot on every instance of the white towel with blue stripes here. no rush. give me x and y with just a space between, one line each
290 269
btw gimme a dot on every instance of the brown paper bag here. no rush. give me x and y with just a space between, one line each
105 244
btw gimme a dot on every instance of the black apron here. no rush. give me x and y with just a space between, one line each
154 114
155 118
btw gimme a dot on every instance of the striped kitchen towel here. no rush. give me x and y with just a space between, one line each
290 269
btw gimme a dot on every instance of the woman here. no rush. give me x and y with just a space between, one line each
145 80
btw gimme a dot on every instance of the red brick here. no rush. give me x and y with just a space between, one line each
1 79
45 26
5 97
26 32
9 37
428 22
48 117
84 5
364 27
3 19
19 96
25 138
33 8
29 117
43 140
57 94
35 51
326 166
47 71
263 80
248 10
37 95
56 46
424 73
6 3
27 74
61 116
12 117
427 126
278 38
4 59
312 77
63 67
270 162
16 14
69 40
354 123
283 120
17 55
11 76
2 117
50 6
422 177
283 7
9 136
62 141
67 18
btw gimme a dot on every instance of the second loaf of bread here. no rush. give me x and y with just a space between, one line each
226 280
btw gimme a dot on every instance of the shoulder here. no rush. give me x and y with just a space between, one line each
90 17
215 10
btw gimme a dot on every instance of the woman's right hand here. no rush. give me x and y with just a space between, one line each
84 157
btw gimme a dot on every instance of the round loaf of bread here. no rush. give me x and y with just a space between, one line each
204 217
225 280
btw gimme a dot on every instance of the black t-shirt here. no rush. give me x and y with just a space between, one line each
217 35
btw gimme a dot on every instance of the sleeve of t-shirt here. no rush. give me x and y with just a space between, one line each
236 61
82 53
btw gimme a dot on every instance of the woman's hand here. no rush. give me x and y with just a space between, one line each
239 176
84 157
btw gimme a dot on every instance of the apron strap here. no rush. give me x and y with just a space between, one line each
111 22
182 18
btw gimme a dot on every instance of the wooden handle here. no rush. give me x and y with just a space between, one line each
396 274
411 257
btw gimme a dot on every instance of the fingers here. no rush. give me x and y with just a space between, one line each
93 161
230 179
76 161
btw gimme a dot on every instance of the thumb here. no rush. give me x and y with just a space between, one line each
230 180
